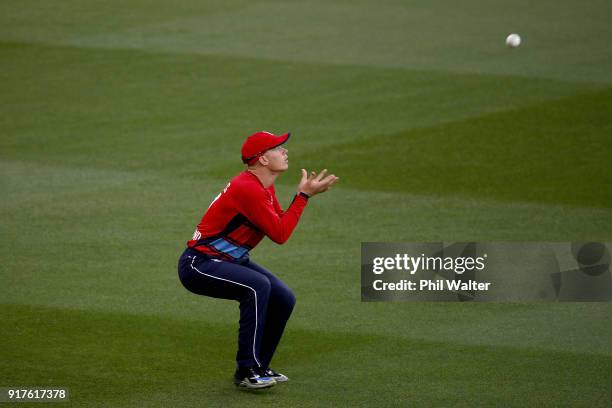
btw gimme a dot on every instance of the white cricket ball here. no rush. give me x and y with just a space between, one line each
513 40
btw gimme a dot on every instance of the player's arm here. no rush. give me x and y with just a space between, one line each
256 206
275 203
259 210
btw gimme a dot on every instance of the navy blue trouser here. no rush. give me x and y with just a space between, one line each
265 301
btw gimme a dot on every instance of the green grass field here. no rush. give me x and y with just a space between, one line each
122 120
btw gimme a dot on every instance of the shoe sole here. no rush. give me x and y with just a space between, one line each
250 386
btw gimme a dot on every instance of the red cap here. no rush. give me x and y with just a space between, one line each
258 143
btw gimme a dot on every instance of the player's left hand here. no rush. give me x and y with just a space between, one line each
315 184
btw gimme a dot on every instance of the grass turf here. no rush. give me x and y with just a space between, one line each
126 360
121 121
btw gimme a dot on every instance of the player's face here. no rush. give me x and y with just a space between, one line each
278 160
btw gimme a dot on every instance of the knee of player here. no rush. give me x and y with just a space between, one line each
263 286
290 299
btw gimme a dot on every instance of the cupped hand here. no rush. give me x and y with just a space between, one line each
316 183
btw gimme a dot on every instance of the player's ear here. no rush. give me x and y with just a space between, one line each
263 160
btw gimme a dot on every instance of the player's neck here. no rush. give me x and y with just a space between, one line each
264 175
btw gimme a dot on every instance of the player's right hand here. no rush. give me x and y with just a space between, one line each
315 184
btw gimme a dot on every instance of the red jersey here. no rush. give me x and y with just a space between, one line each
239 217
